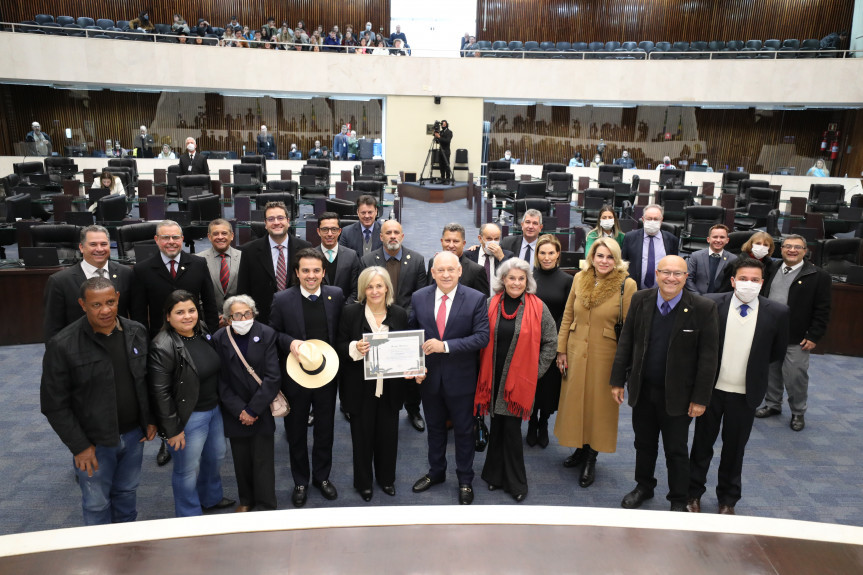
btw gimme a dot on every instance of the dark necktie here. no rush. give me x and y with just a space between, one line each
313 298
281 270
650 272
714 264
488 268
102 271
223 273
744 309
368 235
665 308
173 269
787 270
527 251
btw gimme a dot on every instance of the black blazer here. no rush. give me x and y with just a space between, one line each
472 274
352 237
199 165
238 390
809 299
633 242
257 277
346 273
153 284
473 255
352 327
768 343
692 355
61 295
412 275
510 243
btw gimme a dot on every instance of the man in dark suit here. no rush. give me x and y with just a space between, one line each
472 275
223 261
363 236
171 270
192 162
707 267
266 144
340 144
407 273
61 292
643 248
308 311
524 246
444 138
667 353
455 321
265 265
343 264
753 332
489 254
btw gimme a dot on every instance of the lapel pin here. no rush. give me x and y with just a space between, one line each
409 256
799 281
256 339
686 309
135 350
208 337
114 276
329 297
182 269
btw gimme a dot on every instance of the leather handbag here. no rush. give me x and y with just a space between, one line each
279 407
480 433
618 327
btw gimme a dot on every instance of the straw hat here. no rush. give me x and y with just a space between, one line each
317 366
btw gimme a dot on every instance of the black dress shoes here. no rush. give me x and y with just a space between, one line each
765 411
542 434
493 487
520 497
679 506
328 490
576 458
726 509
389 490
417 421
693 505
424 482
223 504
588 474
797 423
530 437
299 496
465 494
164 456
635 498
366 494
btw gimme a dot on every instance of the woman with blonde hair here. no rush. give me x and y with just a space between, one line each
759 246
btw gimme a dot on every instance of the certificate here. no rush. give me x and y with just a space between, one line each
394 354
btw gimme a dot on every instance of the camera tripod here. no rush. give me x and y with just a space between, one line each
434 149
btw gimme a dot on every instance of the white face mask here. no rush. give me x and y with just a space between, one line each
746 291
607 224
652 227
507 156
242 327
191 147
760 251
488 245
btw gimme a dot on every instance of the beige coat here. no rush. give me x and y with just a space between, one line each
587 411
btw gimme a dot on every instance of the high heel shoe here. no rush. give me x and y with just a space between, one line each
588 474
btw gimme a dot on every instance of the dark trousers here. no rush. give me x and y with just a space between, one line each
649 420
733 414
375 440
412 397
504 461
323 401
437 408
443 158
255 468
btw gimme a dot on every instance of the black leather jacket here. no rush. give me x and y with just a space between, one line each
173 381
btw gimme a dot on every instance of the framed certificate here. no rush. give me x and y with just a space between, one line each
394 354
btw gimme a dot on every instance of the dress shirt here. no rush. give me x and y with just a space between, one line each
793 268
492 260
167 261
739 333
658 252
672 303
275 254
357 356
335 250
438 297
306 294
524 245
388 257
90 271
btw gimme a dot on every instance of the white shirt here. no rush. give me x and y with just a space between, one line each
438 298
275 253
90 270
524 245
794 268
492 266
335 250
306 294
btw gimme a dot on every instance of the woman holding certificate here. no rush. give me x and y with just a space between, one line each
373 404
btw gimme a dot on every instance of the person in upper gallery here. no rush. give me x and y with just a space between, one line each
192 162
179 24
489 255
142 22
343 263
265 265
607 226
41 142
552 287
398 35
472 274
507 157
331 43
61 291
806 289
363 236
223 261
316 152
465 42
167 153
380 49
94 395
576 161
295 154
349 42
759 247
819 170
754 333
521 348
183 378
246 398
143 143
266 144
597 161
306 318
374 404
472 49
707 267
625 160
667 355
455 321
643 258
524 246
666 164
598 301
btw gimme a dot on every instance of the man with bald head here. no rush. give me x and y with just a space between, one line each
192 162
667 355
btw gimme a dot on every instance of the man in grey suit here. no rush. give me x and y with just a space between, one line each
524 246
343 263
363 236
645 247
706 266
223 261
61 292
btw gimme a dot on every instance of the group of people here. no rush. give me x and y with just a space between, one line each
200 348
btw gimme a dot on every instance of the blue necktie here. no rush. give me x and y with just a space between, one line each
665 308
313 298
744 309
368 235
650 272
714 265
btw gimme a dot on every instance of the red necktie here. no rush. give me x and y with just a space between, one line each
441 316
281 269
223 273
173 270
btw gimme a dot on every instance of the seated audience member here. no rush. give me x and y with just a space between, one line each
295 154
110 182
316 48
234 23
266 143
316 39
203 28
248 34
465 42
326 155
398 35
362 49
470 48
349 42
507 157
331 43
819 170
179 24
41 141
167 153
257 39
706 165
142 22
239 40
317 151
625 160
707 267
597 161
380 49
576 161
181 37
367 29
398 48
227 37
666 164
269 29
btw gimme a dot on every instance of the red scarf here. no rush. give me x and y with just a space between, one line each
520 385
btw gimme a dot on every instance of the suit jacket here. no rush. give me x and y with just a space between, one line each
61 295
472 275
340 146
467 330
633 242
692 354
352 237
199 165
412 275
698 265
257 277
287 319
214 264
347 272
809 299
473 255
769 342
266 144
153 284
351 328
511 243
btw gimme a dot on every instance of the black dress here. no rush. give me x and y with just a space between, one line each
552 287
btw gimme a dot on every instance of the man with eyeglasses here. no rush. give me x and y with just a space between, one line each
644 247
223 261
266 262
343 264
666 355
805 289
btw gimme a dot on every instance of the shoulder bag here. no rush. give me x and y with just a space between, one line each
279 406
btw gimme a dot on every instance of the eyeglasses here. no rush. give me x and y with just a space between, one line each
793 248
272 219
240 316
669 273
176 238
329 230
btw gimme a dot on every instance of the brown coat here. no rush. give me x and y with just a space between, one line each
587 411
